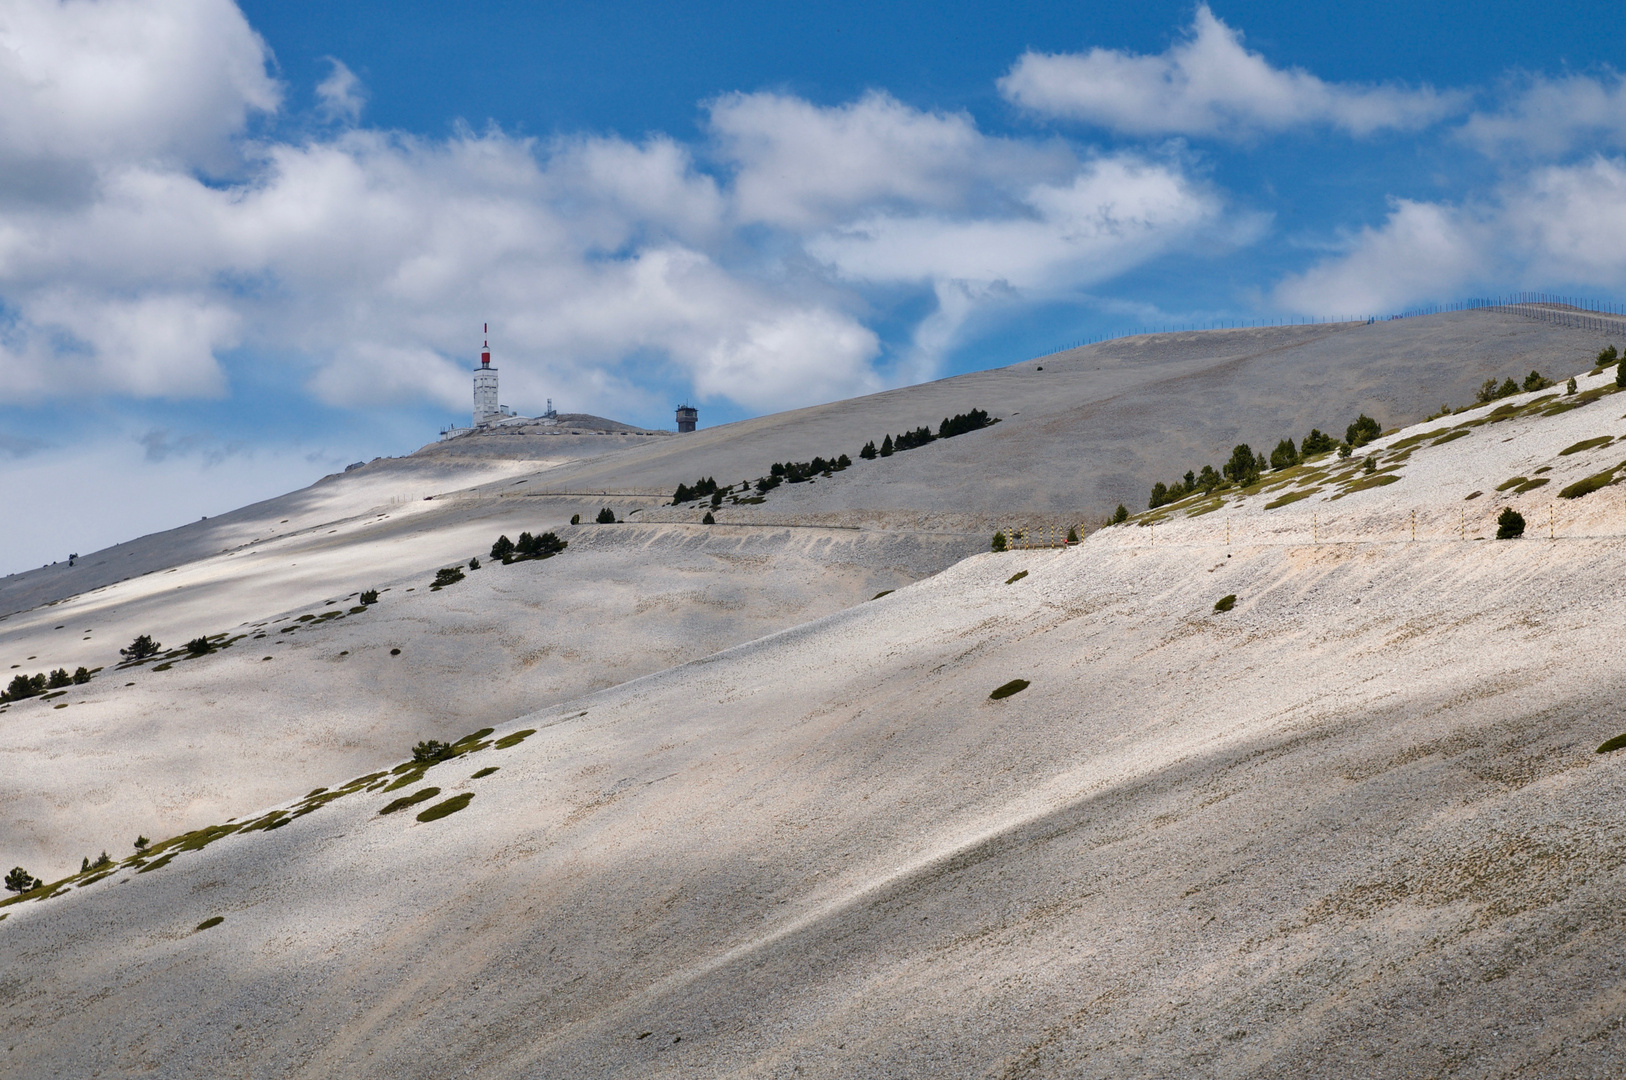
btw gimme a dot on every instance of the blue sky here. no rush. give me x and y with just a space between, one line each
242 246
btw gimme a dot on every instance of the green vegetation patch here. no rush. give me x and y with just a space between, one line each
1014 578
1587 485
1413 440
1290 497
1225 603
1586 444
411 777
411 800
213 920
450 806
1531 485
1015 686
1510 482
883 592
487 771
1205 508
513 738
1612 745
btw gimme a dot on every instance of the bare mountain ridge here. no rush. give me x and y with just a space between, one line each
1354 826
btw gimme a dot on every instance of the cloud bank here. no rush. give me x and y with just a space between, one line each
146 231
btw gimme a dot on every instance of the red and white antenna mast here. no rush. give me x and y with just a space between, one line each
485 345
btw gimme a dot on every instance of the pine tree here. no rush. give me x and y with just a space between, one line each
21 881
1284 456
886 446
868 452
606 516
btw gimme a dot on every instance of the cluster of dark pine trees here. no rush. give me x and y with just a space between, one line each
959 424
699 490
800 472
1492 391
27 686
1245 467
545 546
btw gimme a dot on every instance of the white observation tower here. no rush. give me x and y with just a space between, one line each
486 409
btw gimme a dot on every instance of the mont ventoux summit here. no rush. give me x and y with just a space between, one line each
913 735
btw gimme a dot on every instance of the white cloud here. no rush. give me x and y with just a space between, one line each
1552 116
800 165
1113 214
1564 224
1423 251
86 83
1209 84
340 96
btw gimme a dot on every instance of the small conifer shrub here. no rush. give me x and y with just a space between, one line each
1243 468
1508 388
21 881
1285 456
58 679
708 519
502 548
1620 373
474 564
445 576
999 542
575 519
1225 603
141 843
1365 429
1344 450
1536 381
1072 535
430 751
369 597
141 648
1569 387
198 646
606 516
81 676
868 452
1608 357
1509 524
886 446
1317 442
1120 515
1015 686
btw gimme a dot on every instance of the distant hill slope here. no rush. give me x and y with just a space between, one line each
1099 424
1353 826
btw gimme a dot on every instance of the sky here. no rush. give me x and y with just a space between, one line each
242 246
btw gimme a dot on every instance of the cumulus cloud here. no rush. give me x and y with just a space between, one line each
340 96
1209 84
800 165
89 83
1544 116
1560 223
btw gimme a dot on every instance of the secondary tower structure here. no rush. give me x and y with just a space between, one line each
687 417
